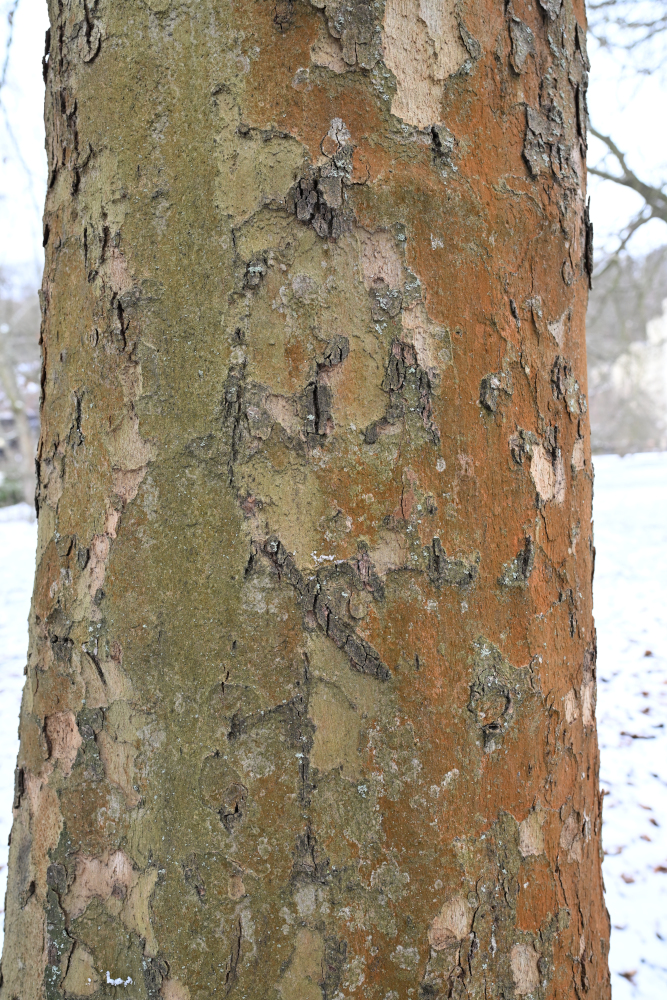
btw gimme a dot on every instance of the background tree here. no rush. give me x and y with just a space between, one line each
634 31
19 375
627 410
310 698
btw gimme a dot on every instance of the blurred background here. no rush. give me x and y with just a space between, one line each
627 393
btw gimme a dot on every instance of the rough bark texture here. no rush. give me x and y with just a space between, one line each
309 710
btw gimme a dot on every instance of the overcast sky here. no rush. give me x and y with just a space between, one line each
631 109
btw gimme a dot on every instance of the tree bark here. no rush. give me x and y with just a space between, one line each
311 682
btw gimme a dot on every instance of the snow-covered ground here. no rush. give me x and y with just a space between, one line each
631 615
18 537
630 590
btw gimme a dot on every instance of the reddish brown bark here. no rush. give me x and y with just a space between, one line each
311 687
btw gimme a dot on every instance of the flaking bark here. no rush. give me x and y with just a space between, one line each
309 709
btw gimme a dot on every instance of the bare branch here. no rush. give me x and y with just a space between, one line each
8 46
639 220
654 197
633 27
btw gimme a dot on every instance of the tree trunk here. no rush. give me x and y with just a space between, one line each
311 681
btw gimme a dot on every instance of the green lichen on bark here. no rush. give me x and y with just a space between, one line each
300 400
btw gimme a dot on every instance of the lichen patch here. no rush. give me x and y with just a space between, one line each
118 759
337 729
572 837
82 978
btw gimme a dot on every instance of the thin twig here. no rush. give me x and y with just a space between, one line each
8 46
655 197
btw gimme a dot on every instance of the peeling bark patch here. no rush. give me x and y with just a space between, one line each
318 198
317 600
496 692
304 975
233 803
283 14
310 864
90 37
336 351
564 386
118 759
531 837
99 878
544 150
491 388
517 572
573 836
173 989
231 972
588 243
154 972
318 402
525 972
522 444
385 301
431 343
99 554
410 388
523 43
335 954
560 326
251 411
458 571
452 923
570 706
422 46
588 687
380 260
318 203
222 789
235 887
548 475
64 739
353 23
578 462
552 8
327 52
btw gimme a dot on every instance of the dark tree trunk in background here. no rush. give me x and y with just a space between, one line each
26 441
309 711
